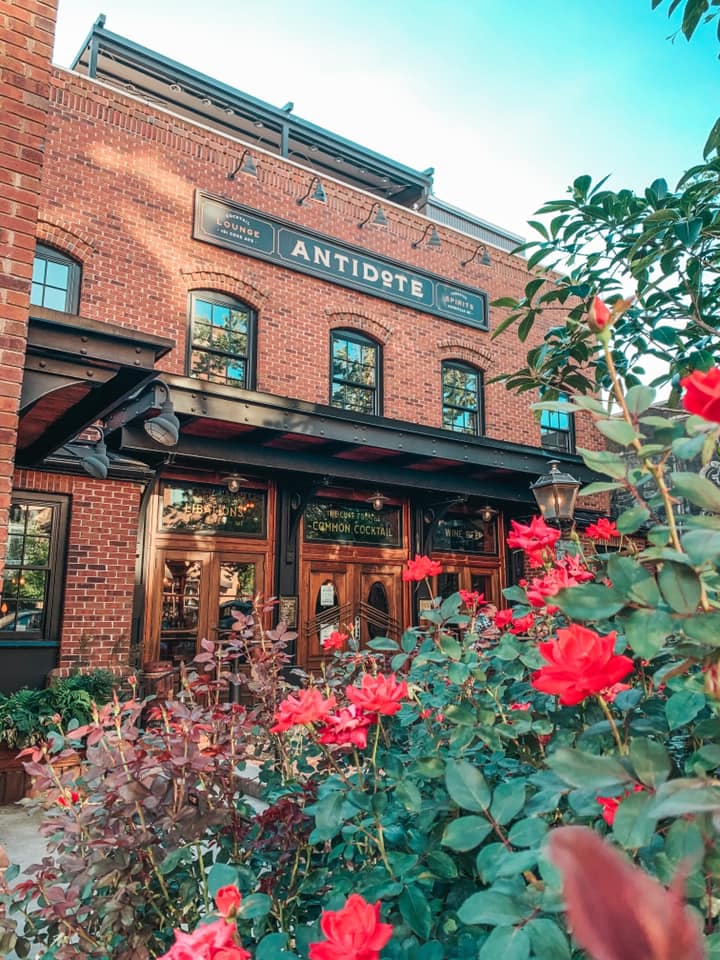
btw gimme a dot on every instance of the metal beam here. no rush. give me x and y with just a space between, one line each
225 455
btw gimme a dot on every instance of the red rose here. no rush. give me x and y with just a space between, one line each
378 694
522 624
580 663
524 705
702 394
227 900
212 941
307 707
610 804
348 727
336 640
353 933
503 618
471 598
536 539
420 568
598 316
604 529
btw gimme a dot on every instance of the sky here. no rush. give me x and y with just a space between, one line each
509 100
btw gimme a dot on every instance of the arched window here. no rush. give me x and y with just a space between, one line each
461 397
55 280
222 339
355 374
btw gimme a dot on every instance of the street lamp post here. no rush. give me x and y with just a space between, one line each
556 493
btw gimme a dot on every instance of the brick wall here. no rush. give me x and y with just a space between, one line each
118 195
100 572
26 38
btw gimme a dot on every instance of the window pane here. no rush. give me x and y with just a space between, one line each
220 315
221 341
202 310
57 275
54 299
460 399
38 273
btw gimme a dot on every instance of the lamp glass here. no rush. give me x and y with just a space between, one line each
165 427
556 494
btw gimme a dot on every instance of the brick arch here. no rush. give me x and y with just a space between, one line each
64 237
226 283
360 321
461 350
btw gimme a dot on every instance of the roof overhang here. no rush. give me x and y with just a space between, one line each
77 371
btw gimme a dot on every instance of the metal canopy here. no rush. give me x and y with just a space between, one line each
224 427
142 72
77 371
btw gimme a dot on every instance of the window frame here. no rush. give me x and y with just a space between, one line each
357 336
56 566
452 363
72 294
569 434
227 300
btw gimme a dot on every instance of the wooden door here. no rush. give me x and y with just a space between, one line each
378 609
182 612
328 605
237 578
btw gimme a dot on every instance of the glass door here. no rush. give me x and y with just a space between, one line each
239 581
183 613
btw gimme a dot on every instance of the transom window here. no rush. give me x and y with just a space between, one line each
461 397
556 429
354 372
222 339
55 280
32 578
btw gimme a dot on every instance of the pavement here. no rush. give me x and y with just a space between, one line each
20 833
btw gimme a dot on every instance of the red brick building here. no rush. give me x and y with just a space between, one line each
258 362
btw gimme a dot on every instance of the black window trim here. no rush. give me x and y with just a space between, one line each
358 336
228 300
569 433
56 566
72 296
464 365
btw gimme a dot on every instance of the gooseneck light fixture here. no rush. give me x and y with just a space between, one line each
95 461
165 427
318 194
233 482
434 240
484 259
379 220
556 494
377 501
246 164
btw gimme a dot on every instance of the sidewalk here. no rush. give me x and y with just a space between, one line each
20 833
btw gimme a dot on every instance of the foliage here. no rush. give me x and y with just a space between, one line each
28 716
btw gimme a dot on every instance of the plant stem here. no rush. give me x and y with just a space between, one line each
613 726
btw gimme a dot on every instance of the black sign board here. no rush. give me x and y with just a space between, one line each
256 234
344 521
192 508
464 534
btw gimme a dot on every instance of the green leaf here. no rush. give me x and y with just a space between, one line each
462 714
547 940
589 601
675 798
506 943
701 546
682 707
632 519
679 586
588 770
698 490
450 647
254 906
508 800
221 875
328 816
415 910
647 631
465 833
383 644
639 398
442 865
528 832
467 786
630 579
602 461
409 641
632 826
704 628
273 946
619 431
491 909
600 486
409 796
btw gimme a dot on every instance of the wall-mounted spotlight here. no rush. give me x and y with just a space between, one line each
233 482
165 427
377 501
95 461
434 240
246 164
378 220
317 194
484 259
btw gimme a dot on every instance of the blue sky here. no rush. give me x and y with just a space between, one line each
509 100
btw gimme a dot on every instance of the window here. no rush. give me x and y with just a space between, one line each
354 372
556 429
461 397
34 565
55 280
222 340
